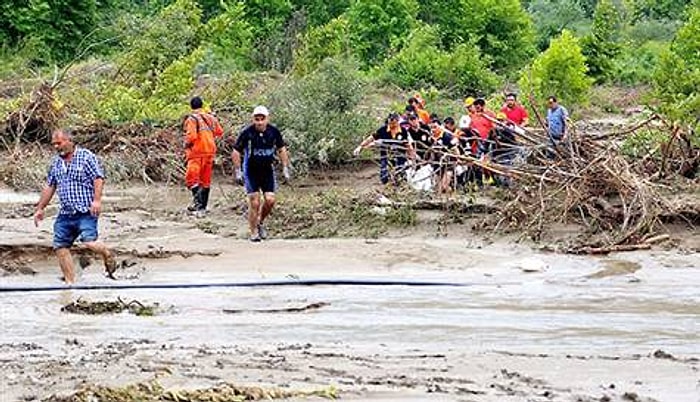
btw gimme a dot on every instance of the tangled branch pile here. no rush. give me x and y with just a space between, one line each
136 151
589 181
152 392
35 120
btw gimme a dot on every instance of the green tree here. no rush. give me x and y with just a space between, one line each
659 9
172 33
677 77
320 43
229 38
60 26
600 47
501 28
320 12
552 16
267 16
378 26
421 63
560 70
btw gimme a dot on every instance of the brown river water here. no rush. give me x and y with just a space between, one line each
527 325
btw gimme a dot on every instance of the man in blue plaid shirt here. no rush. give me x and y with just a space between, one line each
77 176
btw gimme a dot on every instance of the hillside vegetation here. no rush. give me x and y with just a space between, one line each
323 66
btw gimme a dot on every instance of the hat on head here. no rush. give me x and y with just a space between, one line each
468 101
480 101
393 116
261 110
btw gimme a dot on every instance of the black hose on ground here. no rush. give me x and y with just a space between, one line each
288 282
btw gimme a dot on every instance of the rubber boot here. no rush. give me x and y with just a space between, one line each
196 199
204 198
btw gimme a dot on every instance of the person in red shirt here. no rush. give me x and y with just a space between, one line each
514 111
482 123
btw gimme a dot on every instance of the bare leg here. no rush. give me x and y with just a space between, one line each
107 257
253 213
267 206
65 261
446 183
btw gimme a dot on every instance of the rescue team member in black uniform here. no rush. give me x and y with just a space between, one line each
258 143
394 144
420 134
444 144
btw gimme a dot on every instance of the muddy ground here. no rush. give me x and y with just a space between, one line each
528 325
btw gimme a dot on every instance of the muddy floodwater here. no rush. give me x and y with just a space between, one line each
524 326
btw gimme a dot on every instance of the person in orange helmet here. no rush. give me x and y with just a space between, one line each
201 128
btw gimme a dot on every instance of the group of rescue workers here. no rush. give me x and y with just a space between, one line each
417 137
428 151
415 146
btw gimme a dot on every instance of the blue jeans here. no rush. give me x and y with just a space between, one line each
69 227
388 166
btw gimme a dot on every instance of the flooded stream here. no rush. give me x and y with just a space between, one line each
527 326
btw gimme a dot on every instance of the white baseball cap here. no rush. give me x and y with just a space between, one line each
261 110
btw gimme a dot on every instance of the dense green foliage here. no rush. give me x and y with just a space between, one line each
559 71
142 60
376 27
677 78
423 64
600 46
50 29
320 113
501 29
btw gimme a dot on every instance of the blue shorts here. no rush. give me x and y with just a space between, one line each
260 179
69 227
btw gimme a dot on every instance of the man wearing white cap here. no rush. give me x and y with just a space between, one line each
258 143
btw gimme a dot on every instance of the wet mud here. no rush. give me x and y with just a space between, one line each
527 326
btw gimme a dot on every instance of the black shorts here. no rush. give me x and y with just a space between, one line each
259 178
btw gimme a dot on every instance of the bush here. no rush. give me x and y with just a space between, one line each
501 29
652 30
677 77
320 12
551 17
415 64
378 26
173 32
559 71
636 64
465 71
422 64
120 103
228 38
319 114
600 47
58 27
320 43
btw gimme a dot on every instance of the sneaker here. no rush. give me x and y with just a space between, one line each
110 265
262 232
255 238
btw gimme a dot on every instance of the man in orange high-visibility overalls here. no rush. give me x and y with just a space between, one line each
200 130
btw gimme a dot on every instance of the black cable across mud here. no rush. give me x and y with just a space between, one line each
291 282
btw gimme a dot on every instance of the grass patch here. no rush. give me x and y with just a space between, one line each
336 212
